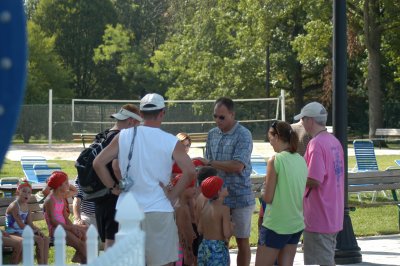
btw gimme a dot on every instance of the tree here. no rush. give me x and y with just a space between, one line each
45 72
45 68
374 17
78 27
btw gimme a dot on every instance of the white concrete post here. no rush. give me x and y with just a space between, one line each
92 244
129 215
59 245
27 246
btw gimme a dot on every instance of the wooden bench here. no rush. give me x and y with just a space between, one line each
256 185
34 207
198 137
387 134
84 138
360 181
375 181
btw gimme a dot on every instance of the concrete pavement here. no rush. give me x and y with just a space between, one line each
375 250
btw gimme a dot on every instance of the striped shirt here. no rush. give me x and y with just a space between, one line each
87 207
236 145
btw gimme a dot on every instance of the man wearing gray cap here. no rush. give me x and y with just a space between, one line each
146 155
323 200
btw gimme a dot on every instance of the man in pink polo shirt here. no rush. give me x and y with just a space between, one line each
324 196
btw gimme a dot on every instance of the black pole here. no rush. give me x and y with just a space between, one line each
347 249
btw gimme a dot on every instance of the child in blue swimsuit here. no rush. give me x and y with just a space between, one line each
214 224
18 216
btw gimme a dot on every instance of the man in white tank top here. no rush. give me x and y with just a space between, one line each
147 171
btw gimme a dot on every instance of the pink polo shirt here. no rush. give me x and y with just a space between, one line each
324 206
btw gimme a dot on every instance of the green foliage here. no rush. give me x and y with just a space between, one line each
313 47
45 68
77 27
213 56
114 49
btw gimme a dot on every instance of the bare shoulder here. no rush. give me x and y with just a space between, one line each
47 201
271 159
12 207
200 201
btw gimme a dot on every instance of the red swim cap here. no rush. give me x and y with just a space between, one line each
177 170
197 163
22 184
211 186
56 179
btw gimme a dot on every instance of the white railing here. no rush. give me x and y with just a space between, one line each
127 250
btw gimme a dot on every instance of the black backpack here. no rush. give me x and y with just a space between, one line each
92 187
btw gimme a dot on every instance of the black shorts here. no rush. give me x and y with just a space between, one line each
272 239
197 241
105 217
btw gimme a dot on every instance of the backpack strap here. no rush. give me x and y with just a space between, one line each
126 182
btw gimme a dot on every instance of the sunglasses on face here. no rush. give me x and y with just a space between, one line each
220 117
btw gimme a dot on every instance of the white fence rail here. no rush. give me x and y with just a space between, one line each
127 250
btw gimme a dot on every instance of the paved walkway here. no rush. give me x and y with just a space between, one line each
375 250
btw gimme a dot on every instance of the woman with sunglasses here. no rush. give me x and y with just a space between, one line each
285 183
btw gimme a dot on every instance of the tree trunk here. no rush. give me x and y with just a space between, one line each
298 88
373 36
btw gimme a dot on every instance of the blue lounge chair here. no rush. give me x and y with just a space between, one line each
365 160
27 163
8 181
44 170
259 166
37 169
365 156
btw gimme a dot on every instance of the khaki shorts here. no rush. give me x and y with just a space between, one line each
241 217
319 248
161 238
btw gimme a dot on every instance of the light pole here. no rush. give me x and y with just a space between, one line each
347 249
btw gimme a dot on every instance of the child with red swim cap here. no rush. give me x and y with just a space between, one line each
18 216
56 215
214 223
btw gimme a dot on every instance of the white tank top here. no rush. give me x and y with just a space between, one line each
151 164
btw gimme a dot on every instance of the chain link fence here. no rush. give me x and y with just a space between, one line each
94 118
191 117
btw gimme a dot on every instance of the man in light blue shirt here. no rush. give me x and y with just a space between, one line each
228 149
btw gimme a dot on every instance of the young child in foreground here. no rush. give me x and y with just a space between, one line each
56 214
199 202
18 216
184 221
214 224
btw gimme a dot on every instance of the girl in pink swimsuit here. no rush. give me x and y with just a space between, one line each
56 214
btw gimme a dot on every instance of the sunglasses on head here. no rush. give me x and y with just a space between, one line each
220 117
274 126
